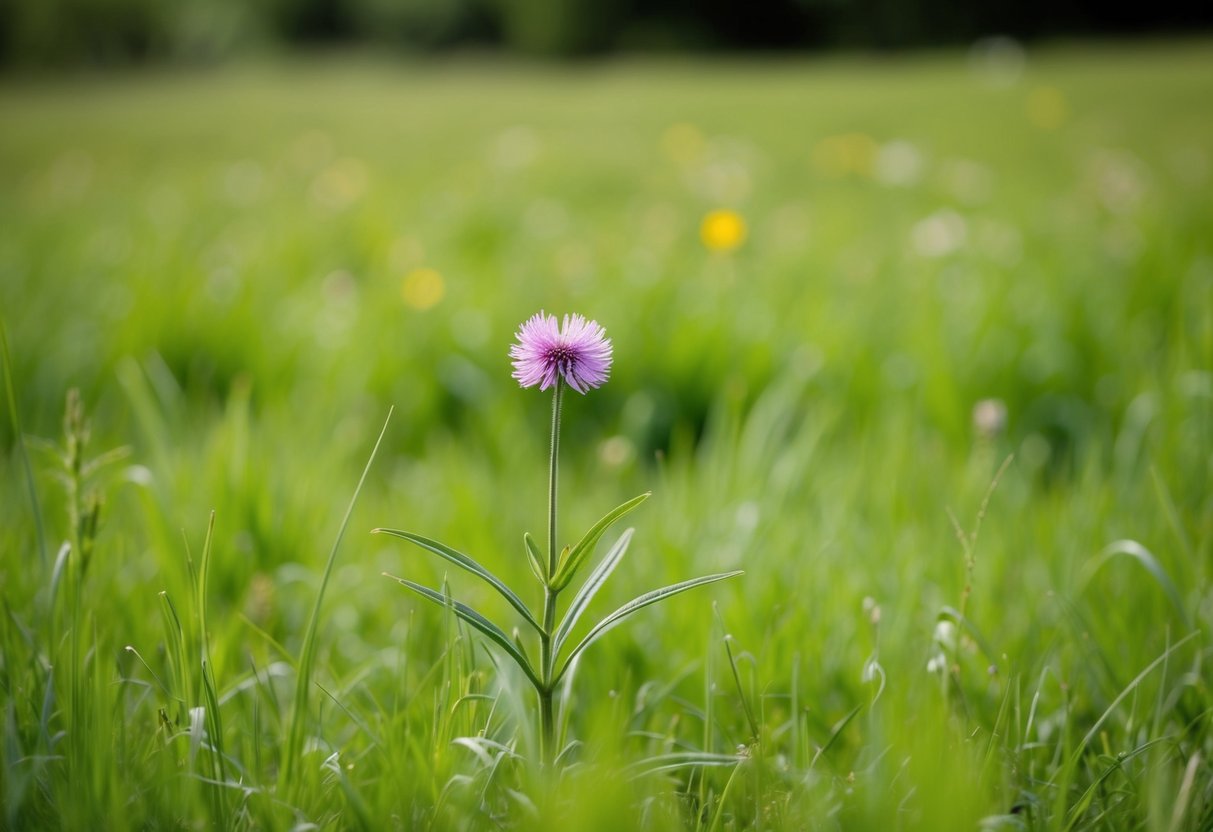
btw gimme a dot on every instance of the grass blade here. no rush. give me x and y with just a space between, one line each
1077 810
1135 551
464 562
578 554
19 438
212 718
724 796
636 604
681 759
1184 798
835 733
494 633
175 653
755 732
57 574
1132 686
584 595
308 655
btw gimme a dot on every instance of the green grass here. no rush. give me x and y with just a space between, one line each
226 265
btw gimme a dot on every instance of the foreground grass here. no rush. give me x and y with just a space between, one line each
241 271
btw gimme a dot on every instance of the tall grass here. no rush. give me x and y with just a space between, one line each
242 270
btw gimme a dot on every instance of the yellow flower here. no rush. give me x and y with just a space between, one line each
722 230
683 143
1047 108
849 153
423 288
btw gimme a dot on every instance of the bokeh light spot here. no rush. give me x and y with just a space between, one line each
849 153
683 143
423 288
1047 108
722 230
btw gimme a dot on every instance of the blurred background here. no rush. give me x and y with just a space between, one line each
853 254
1002 241
110 32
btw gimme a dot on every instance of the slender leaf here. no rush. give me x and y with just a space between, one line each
577 555
635 604
214 723
495 633
175 650
307 655
745 703
835 733
681 759
518 643
584 595
1135 551
722 802
214 720
535 558
568 751
1094 730
57 571
463 561
1117 763
163 687
14 417
477 748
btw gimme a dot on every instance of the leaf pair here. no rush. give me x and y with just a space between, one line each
571 560
495 633
464 562
639 603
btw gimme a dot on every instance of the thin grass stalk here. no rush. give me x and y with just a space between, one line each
10 388
307 656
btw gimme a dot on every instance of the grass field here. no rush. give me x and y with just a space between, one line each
241 270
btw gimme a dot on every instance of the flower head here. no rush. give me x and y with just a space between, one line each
578 351
722 230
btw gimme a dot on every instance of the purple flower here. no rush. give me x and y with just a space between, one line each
579 351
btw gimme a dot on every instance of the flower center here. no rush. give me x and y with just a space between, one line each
561 356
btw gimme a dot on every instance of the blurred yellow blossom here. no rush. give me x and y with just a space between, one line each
837 156
1047 108
722 230
683 143
340 185
423 288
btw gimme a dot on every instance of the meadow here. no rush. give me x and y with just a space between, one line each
923 344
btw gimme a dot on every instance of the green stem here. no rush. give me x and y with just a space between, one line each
556 401
547 722
547 738
547 729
